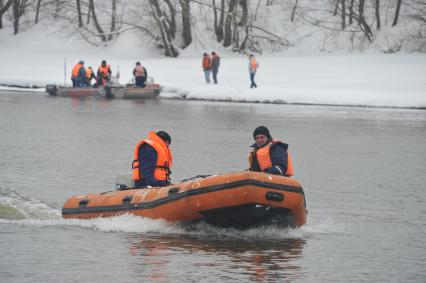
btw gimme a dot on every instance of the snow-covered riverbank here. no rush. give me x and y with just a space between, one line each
369 79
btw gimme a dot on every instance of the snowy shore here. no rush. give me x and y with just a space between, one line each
369 79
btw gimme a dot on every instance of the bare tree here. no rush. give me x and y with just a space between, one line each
293 11
361 11
89 13
244 15
57 8
336 7
343 14
218 25
351 11
79 16
186 22
377 9
3 8
113 18
171 20
228 23
165 31
395 19
18 7
37 11
101 33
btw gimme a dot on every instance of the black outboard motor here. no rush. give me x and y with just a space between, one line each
52 90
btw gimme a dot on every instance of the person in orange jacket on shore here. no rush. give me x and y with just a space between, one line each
269 155
152 161
253 65
104 73
206 64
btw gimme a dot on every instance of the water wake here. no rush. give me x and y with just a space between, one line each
22 210
14 206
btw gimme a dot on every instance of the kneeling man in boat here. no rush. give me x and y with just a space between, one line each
269 155
140 74
152 161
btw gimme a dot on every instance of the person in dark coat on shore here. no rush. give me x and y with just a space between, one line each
152 161
215 66
140 74
269 155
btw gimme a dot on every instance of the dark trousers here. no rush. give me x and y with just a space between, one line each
253 84
140 81
215 76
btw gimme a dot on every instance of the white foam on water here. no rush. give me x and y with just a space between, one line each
14 203
135 224
324 226
38 214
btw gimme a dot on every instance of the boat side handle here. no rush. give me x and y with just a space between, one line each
173 191
127 199
83 202
274 196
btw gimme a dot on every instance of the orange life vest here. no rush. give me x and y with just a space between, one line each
75 70
164 158
253 64
89 73
264 159
139 71
103 70
206 62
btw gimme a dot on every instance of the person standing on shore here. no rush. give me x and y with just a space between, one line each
207 66
253 65
215 66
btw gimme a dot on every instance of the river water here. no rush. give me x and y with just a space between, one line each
363 171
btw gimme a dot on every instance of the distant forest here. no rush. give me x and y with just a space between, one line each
240 25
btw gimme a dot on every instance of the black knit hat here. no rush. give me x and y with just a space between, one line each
164 136
262 130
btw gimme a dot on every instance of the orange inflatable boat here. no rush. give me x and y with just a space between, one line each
240 200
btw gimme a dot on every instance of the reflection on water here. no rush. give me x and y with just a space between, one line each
226 258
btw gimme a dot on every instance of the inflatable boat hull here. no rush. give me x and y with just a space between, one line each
240 200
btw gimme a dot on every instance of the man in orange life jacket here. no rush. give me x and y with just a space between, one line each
152 161
269 155
78 75
104 73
